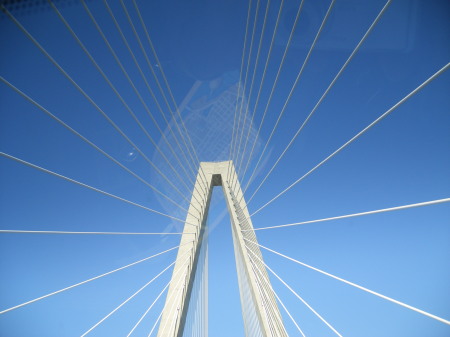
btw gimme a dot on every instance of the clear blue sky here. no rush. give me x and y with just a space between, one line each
402 160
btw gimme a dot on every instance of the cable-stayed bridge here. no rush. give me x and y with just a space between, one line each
325 124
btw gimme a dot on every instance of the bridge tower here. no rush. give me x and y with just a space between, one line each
260 311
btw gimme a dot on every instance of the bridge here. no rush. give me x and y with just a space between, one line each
224 168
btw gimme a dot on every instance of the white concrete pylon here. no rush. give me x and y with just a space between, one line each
268 321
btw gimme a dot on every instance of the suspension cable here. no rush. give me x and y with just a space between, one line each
124 71
238 142
357 286
383 210
141 46
355 50
129 298
179 293
160 294
20 231
53 61
138 39
255 106
266 296
305 61
124 40
276 295
86 281
294 292
238 92
171 95
111 85
255 67
90 187
403 100
28 98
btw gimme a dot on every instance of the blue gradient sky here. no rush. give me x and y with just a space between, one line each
402 160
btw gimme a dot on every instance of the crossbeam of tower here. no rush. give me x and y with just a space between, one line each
260 311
